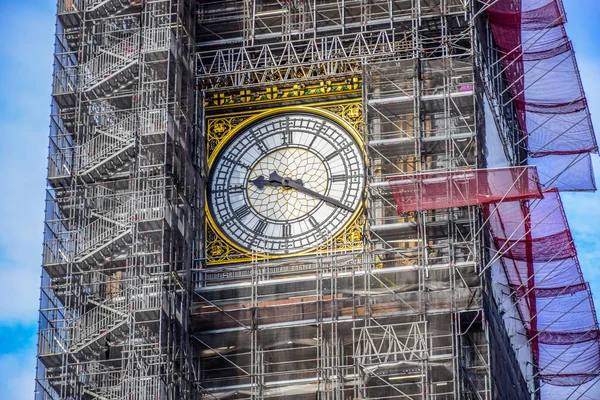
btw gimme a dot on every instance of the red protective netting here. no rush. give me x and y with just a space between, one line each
568 337
535 246
552 247
544 82
521 291
429 191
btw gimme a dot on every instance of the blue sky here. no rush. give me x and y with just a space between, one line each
26 38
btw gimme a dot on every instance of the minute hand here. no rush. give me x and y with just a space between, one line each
288 183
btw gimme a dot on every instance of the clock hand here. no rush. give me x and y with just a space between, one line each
261 182
288 183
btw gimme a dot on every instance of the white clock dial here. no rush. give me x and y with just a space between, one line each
286 183
294 163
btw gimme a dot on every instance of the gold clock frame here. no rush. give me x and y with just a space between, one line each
221 128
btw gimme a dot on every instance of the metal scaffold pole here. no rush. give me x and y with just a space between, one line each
118 249
384 320
186 254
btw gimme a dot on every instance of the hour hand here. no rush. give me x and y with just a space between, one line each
261 182
274 180
278 181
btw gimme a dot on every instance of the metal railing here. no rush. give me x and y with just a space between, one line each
153 121
57 251
96 323
65 80
109 61
104 229
61 165
107 143
69 6
156 39
151 207
102 381
51 341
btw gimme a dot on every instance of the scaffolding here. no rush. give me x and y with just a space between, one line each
415 299
122 198
401 316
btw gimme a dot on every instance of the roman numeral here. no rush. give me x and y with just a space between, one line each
287 231
286 137
332 155
233 189
236 162
320 232
312 141
338 151
339 178
258 141
259 229
241 212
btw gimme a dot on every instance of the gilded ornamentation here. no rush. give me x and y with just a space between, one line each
218 128
218 251
274 93
351 113
352 237
407 217
406 262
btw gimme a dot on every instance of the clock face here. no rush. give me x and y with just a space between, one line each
286 183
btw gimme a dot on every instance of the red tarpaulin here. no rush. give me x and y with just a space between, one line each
429 191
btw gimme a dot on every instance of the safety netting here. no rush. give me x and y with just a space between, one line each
445 189
534 243
539 65
532 237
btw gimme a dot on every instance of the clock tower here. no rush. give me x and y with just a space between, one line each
314 200
311 284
